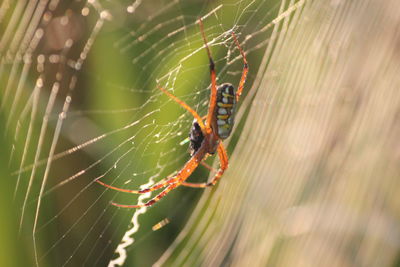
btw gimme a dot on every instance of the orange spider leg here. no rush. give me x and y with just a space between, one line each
245 69
213 96
195 184
207 166
157 186
171 183
150 202
223 157
186 106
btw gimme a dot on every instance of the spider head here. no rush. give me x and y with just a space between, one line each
196 138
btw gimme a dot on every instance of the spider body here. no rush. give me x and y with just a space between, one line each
225 110
224 119
206 134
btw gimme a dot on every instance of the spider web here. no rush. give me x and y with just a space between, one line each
80 102
314 156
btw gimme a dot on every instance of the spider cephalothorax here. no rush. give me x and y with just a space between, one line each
206 134
196 137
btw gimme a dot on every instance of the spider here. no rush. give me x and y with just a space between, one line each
205 136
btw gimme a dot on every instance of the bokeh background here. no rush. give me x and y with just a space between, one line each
314 158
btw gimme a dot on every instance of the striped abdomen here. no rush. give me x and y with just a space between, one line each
225 110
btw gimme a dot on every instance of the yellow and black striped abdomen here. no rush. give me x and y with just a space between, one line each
225 110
